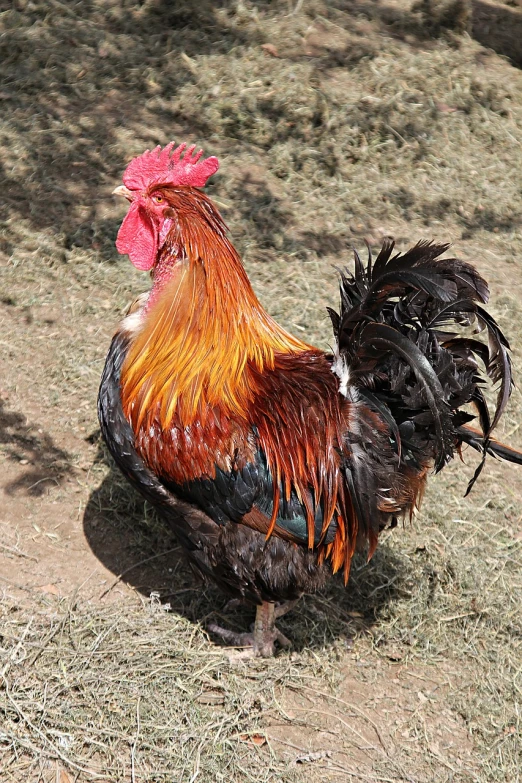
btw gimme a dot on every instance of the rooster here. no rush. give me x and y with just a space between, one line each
274 461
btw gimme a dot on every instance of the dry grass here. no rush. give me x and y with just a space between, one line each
360 127
113 693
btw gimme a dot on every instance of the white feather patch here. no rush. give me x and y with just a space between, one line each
341 369
134 317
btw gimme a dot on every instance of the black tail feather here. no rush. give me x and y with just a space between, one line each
401 337
389 339
476 440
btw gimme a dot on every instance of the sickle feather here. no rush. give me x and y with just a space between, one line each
389 339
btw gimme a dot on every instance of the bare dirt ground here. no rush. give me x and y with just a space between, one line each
335 123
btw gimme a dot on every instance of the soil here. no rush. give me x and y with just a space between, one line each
412 673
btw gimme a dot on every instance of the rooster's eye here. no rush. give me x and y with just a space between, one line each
158 199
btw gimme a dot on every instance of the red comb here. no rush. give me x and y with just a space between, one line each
167 167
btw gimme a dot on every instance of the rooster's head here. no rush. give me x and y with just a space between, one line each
149 218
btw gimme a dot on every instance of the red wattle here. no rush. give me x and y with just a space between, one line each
138 238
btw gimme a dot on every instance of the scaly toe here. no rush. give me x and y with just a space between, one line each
231 637
285 606
283 640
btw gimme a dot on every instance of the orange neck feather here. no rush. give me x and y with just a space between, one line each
204 328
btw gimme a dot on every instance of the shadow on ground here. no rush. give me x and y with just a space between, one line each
81 80
31 448
75 123
497 27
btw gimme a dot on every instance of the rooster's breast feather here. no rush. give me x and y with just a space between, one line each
206 514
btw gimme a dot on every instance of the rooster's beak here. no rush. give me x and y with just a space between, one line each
121 190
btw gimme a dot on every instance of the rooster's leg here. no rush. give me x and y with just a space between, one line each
265 633
261 641
281 608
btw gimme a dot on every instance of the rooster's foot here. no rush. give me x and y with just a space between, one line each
260 642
